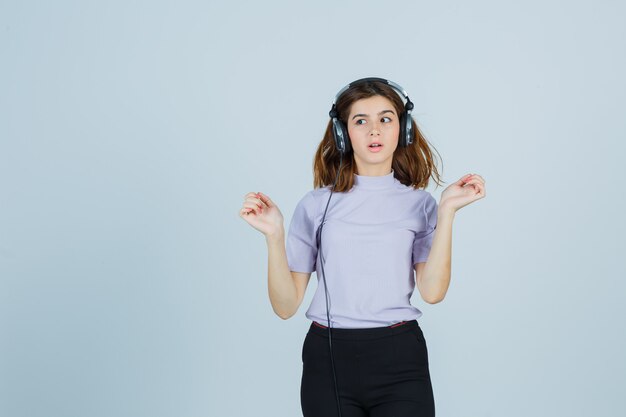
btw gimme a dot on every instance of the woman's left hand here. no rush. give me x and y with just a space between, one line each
468 189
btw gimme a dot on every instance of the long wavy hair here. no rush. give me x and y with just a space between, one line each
412 166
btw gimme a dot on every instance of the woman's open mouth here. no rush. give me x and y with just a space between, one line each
375 147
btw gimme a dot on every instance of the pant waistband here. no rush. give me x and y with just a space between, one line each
363 333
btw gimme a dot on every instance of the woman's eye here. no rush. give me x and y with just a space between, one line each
358 122
385 119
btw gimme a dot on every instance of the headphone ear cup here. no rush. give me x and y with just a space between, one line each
340 134
347 137
408 130
402 140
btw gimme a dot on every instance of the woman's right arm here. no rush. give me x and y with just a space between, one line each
286 289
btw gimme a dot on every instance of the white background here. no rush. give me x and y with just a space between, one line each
131 131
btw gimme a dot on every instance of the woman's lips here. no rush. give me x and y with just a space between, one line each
375 148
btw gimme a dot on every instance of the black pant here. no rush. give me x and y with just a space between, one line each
381 372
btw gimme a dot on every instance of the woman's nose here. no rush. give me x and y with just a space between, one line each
375 130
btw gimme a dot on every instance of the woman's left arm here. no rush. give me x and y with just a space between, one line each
433 276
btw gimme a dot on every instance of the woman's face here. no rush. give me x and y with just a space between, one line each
373 120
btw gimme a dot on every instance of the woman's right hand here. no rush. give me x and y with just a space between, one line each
261 213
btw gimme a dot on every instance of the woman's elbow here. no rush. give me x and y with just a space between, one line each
433 299
285 315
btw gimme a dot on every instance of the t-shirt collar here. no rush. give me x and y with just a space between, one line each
374 182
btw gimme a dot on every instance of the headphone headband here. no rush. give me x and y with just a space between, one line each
393 85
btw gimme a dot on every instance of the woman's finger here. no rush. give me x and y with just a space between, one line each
253 206
255 200
470 177
478 177
479 188
476 181
265 199
251 194
463 179
245 211
482 190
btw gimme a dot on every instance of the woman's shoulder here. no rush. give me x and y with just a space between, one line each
313 197
425 198
313 194
417 193
424 194
314 200
309 199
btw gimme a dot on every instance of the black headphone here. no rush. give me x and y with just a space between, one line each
340 131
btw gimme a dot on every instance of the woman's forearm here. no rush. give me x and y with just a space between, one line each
281 287
437 270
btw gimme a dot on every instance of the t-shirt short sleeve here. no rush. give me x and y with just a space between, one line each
301 242
424 238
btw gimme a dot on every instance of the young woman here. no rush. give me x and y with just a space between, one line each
365 353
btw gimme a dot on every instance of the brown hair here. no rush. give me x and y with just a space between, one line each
412 166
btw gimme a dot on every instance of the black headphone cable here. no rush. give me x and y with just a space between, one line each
319 242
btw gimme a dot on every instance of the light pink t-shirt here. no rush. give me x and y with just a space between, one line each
372 237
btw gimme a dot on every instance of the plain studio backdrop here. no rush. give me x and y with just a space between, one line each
130 133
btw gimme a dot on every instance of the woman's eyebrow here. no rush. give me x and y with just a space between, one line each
367 115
